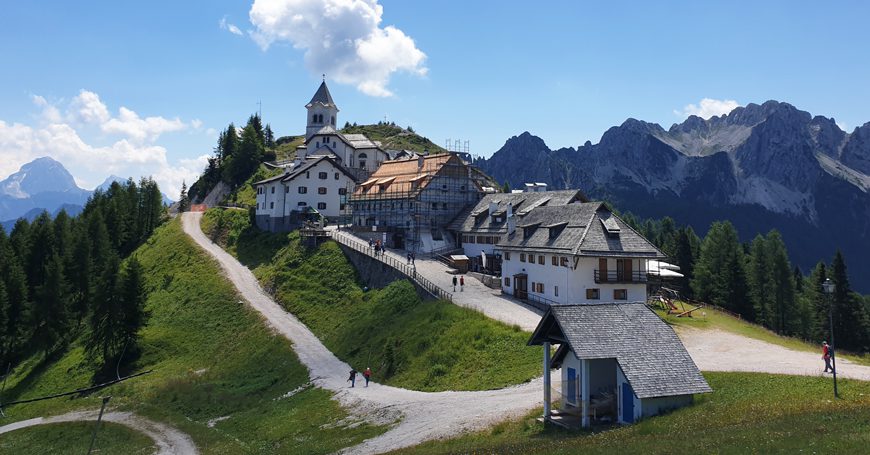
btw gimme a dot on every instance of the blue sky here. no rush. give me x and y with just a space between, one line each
477 71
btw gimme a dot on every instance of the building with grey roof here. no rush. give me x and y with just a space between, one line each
480 227
619 362
573 253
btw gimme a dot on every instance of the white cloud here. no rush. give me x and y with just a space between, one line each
129 124
708 107
342 38
229 27
196 123
129 155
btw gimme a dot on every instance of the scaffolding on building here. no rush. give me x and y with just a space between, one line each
415 203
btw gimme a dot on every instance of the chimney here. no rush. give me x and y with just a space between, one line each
511 225
510 210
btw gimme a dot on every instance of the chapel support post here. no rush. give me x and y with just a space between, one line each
546 381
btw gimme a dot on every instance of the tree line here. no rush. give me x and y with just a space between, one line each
66 278
757 281
236 156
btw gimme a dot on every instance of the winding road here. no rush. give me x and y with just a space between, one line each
169 441
421 416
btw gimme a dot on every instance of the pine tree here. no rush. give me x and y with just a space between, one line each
817 301
107 324
685 258
82 276
133 298
183 201
783 286
720 277
760 282
269 136
50 309
850 317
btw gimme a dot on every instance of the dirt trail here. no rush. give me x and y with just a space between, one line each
169 441
717 350
424 416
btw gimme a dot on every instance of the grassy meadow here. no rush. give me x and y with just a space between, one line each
748 413
212 357
409 343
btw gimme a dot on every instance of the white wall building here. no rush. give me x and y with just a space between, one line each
619 363
575 253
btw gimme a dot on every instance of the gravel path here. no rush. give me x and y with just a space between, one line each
717 350
421 416
169 441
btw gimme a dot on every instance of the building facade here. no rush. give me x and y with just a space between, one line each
574 253
414 200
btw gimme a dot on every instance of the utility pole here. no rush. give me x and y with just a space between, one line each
97 428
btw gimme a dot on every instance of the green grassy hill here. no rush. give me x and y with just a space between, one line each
395 137
212 357
75 437
747 413
409 343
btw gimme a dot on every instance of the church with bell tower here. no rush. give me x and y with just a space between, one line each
354 151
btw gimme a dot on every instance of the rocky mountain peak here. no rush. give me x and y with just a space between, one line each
39 176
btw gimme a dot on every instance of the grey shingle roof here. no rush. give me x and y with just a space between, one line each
322 96
520 201
650 354
306 165
583 235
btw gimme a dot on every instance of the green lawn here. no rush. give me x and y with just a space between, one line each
409 343
709 318
212 357
75 437
747 413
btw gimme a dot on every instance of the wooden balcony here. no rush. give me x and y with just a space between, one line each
619 276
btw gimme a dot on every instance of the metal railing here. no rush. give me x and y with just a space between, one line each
619 276
541 303
408 270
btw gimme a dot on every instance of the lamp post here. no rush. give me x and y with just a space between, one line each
829 287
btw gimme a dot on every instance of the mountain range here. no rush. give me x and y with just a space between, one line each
44 185
760 166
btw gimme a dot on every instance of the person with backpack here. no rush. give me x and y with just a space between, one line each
367 374
352 377
454 283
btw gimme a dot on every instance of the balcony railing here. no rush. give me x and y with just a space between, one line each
619 276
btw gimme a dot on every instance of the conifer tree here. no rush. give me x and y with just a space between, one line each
50 309
133 297
685 257
269 136
720 277
850 317
760 282
783 286
107 324
183 201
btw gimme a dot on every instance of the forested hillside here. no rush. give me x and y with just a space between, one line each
63 278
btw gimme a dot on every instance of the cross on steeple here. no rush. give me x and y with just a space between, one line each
324 77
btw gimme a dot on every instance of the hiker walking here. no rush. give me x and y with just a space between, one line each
826 354
352 377
413 257
409 257
371 243
368 375
454 283
461 283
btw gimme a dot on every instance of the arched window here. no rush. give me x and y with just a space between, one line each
314 118
320 118
362 160
333 120
363 156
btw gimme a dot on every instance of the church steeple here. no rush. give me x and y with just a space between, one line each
322 111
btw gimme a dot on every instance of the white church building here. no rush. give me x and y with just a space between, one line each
327 168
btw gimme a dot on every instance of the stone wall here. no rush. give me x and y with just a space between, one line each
376 274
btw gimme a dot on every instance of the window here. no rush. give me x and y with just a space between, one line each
336 175
314 118
273 190
321 206
322 175
555 261
556 291
541 259
444 206
538 287
620 294
301 203
286 189
522 257
303 189
462 188
332 120
507 282
434 206
342 206
593 294
308 174
563 262
342 191
321 190
271 205
258 206
507 255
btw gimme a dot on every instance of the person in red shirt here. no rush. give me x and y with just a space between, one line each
826 354
368 375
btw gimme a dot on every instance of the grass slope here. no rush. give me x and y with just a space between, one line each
75 437
409 343
747 413
710 318
212 357
244 195
395 138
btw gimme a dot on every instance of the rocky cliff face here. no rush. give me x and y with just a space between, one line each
761 166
